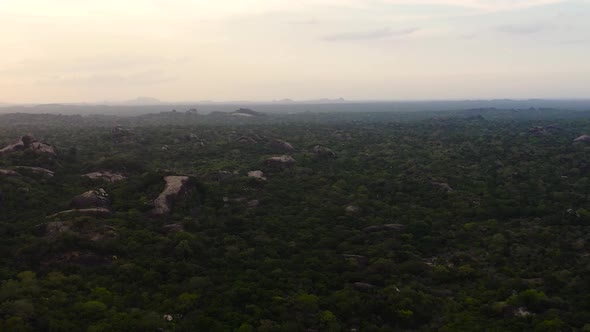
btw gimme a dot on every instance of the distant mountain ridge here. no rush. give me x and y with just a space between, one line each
143 101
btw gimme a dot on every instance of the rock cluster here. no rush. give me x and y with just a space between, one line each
7 172
583 138
257 175
105 175
442 186
28 142
281 146
283 161
352 209
323 151
91 199
37 170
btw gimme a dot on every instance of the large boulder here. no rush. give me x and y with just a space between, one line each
105 175
352 209
100 212
91 199
280 162
322 151
583 138
175 186
7 172
281 146
28 142
442 186
259 175
246 112
36 170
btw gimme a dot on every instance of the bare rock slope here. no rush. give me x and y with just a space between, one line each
175 186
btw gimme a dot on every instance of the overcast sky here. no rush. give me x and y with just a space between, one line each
190 50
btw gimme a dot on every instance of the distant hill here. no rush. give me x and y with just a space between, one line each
143 101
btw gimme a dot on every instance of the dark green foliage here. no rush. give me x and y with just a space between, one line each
490 226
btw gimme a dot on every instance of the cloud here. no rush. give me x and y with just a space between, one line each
468 36
483 5
368 35
311 21
144 78
521 29
575 41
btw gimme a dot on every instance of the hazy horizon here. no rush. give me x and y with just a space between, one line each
67 51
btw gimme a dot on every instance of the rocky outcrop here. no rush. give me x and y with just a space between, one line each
259 175
7 173
30 143
281 146
95 203
93 212
37 170
280 161
384 227
91 199
173 228
442 186
247 140
89 231
543 131
106 176
322 151
52 229
583 138
246 112
352 209
175 186
520 312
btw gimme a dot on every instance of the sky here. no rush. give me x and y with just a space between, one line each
260 50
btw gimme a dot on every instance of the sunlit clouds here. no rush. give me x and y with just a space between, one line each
73 51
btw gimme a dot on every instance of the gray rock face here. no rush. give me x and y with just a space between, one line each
322 151
283 161
583 138
37 170
246 112
442 186
28 142
91 231
281 146
91 199
175 185
257 175
105 175
352 209
94 212
173 228
7 172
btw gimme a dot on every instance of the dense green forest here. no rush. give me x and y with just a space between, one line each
472 220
